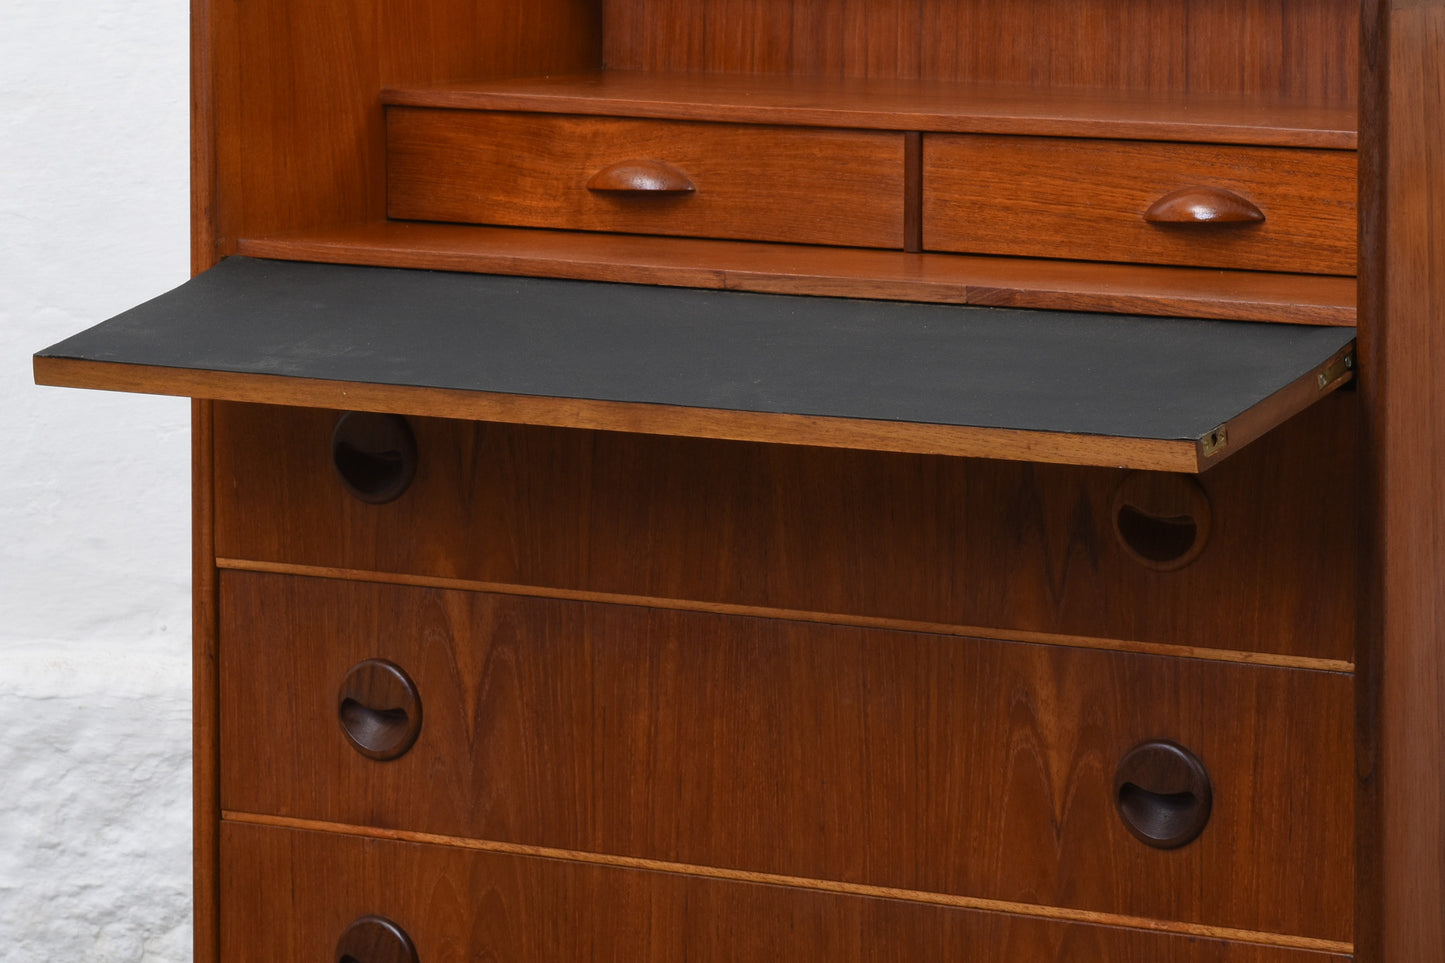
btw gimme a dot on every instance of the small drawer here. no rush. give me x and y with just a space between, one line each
296 895
745 182
908 760
1251 208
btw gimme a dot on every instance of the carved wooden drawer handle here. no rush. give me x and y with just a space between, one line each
641 177
1203 205
375 939
1162 521
374 455
379 709
1163 794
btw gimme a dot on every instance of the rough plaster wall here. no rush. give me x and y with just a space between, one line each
94 547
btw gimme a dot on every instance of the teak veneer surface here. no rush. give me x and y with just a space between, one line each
903 104
1305 49
291 894
1086 199
286 108
826 271
289 138
748 181
893 759
1402 694
920 538
205 686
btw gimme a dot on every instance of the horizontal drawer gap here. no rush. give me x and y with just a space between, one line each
826 271
905 104
772 879
1267 659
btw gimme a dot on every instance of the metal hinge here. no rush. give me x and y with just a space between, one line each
1336 370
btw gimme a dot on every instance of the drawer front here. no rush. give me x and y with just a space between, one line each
1088 199
892 759
292 895
972 543
746 182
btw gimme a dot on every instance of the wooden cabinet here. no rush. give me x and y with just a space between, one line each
703 481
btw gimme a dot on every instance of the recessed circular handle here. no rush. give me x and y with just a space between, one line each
1163 794
1203 205
379 709
374 455
375 939
1161 520
641 177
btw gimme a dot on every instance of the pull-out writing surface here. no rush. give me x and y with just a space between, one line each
1161 393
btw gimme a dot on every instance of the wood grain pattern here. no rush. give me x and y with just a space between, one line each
975 543
1005 634
204 231
298 135
810 750
907 104
1305 50
1402 695
1088 199
835 272
205 685
293 893
1033 910
751 182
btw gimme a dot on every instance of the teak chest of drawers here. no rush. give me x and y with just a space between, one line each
729 482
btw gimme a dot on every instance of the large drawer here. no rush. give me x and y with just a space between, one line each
292 895
993 546
750 182
893 759
1091 200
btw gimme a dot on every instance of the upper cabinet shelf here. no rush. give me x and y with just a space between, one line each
896 104
1152 393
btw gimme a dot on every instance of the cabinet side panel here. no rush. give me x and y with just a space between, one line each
203 139
206 744
296 112
1402 698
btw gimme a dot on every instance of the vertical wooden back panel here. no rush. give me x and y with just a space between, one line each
1302 49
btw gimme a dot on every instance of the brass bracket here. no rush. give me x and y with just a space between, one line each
1214 442
1337 369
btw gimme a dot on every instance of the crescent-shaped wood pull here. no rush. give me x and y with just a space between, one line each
641 177
1163 794
1203 205
375 939
379 709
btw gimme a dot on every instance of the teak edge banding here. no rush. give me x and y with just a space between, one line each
1038 911
920 105
1181 455
1264 659
982 281
809 430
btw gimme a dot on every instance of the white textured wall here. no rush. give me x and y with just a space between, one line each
94 544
